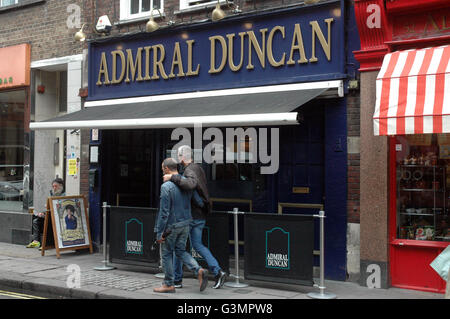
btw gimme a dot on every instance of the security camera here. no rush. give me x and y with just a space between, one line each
103 24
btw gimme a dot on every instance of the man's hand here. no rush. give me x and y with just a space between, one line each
161 240
167 177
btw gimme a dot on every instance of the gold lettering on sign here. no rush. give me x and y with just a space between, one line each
158 62
231 64
230 51
177 61
444 23
212 66
326 45
261 52
270 49
103 71
134 65
297 45
114 54
432 22
147 63
190 43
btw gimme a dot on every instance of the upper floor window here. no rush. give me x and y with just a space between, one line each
4 3
192 4
135 9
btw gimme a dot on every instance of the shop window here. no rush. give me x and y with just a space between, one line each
135 9
423 187
4 3
12 105
198 4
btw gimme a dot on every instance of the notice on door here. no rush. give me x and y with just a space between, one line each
72 167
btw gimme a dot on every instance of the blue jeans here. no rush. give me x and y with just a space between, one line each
175 244
196 231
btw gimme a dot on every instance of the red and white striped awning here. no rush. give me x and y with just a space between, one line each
413 92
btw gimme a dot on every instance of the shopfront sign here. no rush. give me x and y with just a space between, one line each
14 66
280 249
420 25
292 45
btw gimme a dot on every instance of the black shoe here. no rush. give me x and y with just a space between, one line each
220 278
178 284
203 278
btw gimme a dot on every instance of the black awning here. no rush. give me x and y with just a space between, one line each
261 108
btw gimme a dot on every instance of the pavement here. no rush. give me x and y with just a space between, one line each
25 269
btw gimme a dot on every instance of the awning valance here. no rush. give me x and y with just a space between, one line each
256 106
413 92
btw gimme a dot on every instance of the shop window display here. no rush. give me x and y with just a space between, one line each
12 105
423 187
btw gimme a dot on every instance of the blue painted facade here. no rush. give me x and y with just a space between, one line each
330 177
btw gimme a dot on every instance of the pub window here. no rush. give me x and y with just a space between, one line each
135 9
4 3
198 4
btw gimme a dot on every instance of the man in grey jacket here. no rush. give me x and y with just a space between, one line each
172 229
195 179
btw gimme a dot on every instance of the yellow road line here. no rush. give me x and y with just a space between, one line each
18 295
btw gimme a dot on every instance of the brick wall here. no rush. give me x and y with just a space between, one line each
44 26
353 131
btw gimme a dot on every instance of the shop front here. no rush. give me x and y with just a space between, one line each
410 101
14 139
260 97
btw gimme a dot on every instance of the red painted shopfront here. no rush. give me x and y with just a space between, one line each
407 43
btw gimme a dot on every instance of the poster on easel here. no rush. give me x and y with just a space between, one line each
68 220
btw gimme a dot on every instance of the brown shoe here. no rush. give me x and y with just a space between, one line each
203 278
164 289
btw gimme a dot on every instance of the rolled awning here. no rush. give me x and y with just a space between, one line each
256 106
413 92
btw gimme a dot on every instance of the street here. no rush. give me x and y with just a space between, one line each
7 294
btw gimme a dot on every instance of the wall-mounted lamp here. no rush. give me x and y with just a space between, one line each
219 14
151 24
80 35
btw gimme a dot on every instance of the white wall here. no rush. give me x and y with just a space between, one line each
73 151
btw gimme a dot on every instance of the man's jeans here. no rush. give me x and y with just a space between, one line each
175 243
196 231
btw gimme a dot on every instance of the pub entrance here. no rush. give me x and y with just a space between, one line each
131 170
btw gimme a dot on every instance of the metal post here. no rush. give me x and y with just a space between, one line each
236 284
105 261
322 294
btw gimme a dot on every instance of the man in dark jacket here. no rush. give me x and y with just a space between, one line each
172 229
195 179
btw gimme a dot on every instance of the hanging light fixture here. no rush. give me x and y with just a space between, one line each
80 35
151 24
218 13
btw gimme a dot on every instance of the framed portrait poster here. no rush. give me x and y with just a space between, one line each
69 222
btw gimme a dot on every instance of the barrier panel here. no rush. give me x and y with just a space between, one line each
131 233
279 248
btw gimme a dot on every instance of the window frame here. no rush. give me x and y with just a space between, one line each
125 14
4 6
184 5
